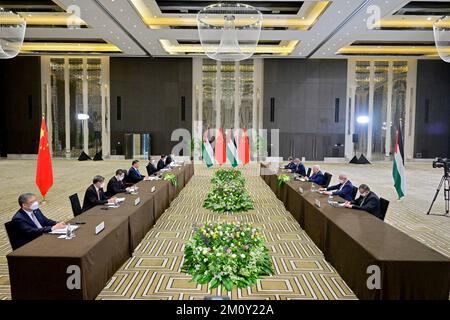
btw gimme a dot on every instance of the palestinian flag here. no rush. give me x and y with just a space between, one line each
207 152
220 149
398 170
232 153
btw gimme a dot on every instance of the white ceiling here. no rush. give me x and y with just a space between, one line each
118 22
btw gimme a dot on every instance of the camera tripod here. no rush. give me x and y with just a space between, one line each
445 180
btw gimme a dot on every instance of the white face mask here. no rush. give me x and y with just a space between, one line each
34 206
102 186
341 181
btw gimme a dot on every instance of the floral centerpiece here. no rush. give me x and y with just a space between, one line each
228 254
228 193
171 178
282 179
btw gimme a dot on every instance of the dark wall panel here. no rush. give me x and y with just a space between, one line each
20 105
305 93
432 136
150 92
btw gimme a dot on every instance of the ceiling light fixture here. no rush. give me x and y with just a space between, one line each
441 30
229 31
12 33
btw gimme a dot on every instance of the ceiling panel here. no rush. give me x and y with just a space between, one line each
291 29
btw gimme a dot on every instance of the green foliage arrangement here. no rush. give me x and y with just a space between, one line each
227 254
282 179
171 178
228 193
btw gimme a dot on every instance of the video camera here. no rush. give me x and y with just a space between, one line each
442 163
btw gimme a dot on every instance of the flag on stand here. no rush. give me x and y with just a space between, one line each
244 148
232 153
207 151
220 149
398 170
44 170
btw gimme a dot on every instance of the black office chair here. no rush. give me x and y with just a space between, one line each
308 173
354 192
76 207
126 180
384 204
12 235
328 177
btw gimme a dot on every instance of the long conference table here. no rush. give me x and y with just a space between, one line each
360 246
48 267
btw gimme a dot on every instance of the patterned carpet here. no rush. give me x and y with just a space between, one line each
153 271
301 271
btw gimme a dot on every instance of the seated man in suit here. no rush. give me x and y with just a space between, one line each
343 189
317 177
30 222
94 195
151 169
368 201
116 185
134 175
299 167
161 163
290 164
169 160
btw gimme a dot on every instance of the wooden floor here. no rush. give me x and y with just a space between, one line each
17 176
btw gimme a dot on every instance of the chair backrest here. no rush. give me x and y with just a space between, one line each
76 207
328 177
308 173
12 235
384 205
354 192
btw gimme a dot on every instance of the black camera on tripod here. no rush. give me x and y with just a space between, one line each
442 163
445 181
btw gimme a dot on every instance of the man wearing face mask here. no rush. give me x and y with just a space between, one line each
30 221
95 196
161 163
343 189
151 169
116 185
368 201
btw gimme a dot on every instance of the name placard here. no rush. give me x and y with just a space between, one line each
317 203
137 201
153 189
300 189
99 228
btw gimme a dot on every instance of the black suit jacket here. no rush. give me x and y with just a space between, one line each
151 169
114 187
27 230
300 169
161 164
91 199
168 160
134 176
370 204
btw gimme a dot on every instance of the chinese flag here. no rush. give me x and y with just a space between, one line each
244 148
44 170
220 149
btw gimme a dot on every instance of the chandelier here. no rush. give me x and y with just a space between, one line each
441 30
12 33
229 31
